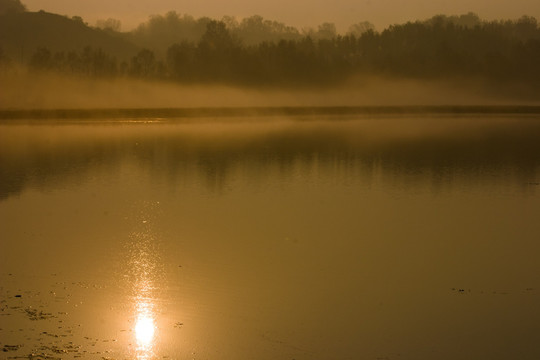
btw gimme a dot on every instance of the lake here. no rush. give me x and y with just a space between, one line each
298 236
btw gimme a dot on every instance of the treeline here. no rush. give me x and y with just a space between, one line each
441 47
160 31
90 62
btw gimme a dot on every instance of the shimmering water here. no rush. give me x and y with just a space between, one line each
357 237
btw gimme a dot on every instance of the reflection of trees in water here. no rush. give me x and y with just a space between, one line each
504 149
48 167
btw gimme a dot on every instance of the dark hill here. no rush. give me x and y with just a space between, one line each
21 34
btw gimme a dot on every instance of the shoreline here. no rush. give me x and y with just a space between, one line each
200 112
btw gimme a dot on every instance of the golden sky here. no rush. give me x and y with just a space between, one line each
299 13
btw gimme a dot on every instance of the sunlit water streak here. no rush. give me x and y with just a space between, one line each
145 329
143 272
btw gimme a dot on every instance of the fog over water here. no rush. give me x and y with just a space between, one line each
51 91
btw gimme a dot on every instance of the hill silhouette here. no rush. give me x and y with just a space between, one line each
22 33
11 6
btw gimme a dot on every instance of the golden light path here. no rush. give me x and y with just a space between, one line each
144 328
143 269
145 323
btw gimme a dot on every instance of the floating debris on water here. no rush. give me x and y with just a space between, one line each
493 292
7 348
34 314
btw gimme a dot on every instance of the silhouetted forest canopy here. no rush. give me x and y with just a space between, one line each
255 51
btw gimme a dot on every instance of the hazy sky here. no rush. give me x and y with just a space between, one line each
299 13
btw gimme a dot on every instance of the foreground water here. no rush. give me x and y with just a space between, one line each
358 237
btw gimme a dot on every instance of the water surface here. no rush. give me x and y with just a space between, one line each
298 237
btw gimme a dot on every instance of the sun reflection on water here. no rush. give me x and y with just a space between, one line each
144 327
143 270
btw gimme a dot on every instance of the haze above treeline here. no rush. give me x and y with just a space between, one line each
256 51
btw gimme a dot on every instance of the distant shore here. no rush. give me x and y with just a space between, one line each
186 113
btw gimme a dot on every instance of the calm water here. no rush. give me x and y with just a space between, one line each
405 237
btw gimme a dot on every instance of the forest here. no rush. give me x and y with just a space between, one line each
259 52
